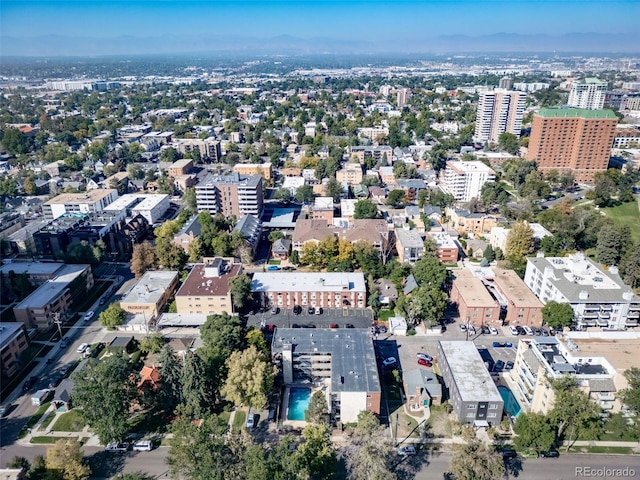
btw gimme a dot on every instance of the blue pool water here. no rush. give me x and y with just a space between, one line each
511 405
298 402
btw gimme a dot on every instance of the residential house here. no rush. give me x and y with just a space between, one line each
188 233
281 248
422 389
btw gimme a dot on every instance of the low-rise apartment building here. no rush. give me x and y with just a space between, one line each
345 290
263 169
150 295
410 245
372 231
206 289
380 153
53 299
13 341
598 296
472 393
343 361
446 248
351 174
464 221
180 167
597 360
210 150
151 206
476 306
86 202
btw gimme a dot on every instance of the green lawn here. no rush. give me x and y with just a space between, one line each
626 214
34 419
69 422
43 439
239 421
274 262
603 450
45 423
384 315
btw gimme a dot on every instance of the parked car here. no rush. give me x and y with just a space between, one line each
508 365
499 366
117 447
423 362
274 310
553 453
349 325
484 330
521 331
3 410
297 310
537 332
30 382
272 268
513 330
528 330
102 301
407 450
89 315
381 329
318 311
544 332
143 446
428 358
390 362
82 347
65 343
493 330
463 327
333 325
311 310
509 453
472 330
251 421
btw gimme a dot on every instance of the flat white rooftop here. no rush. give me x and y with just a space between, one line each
308 282
52 288
469 372
150 287
137 201
31 268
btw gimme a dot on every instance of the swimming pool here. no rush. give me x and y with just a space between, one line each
298 402
511 405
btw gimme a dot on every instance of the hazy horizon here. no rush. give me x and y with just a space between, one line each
102 27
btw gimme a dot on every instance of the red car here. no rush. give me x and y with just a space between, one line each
423 362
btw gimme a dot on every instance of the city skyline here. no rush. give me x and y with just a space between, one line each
107 27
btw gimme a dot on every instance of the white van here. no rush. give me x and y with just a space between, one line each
318 311
143 446
82 348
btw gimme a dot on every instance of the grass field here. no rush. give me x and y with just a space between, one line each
69 422
603 450
238 421
626 214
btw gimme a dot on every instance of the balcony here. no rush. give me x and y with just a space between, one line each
603 322
631 322
604 315
606 397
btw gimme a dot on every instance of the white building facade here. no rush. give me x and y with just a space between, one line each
464 180
499 111
588 93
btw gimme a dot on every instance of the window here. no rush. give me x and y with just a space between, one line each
471 415
493 406
491 415
471 407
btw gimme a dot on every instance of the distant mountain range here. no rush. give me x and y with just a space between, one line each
60 45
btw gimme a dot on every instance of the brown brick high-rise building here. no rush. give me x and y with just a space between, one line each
572 140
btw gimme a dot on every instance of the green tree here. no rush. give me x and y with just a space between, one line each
152 343
143 258
304 194
200 452
170 255
318 410
65 459
316 456
197 391
473 460
630 396
284 195
429 271
249 379
14 141
240 289
573 414
275 235
295 257
221 335
534 431
611 245
333 189
256 338
112 316
368 450
365 209
520 245
557 315
104 390
397 199
489 253
189 200
170 370
630 267
427 304
509 143
29 185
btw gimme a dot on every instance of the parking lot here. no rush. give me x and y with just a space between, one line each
285 318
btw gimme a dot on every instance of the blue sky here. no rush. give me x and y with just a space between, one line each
371 20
